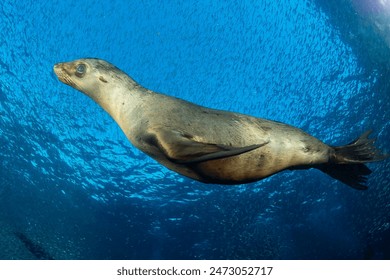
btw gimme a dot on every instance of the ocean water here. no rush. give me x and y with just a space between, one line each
73 187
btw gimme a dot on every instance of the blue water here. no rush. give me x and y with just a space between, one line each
73 187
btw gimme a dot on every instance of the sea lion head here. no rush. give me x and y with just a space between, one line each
92 76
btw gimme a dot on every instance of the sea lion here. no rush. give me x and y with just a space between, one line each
212 146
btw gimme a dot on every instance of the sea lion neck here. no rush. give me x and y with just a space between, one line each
120 101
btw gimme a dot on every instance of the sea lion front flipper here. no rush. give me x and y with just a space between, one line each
184 148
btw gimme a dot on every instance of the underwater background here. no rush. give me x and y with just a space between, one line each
73 187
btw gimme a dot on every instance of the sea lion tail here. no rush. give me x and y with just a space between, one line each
346 163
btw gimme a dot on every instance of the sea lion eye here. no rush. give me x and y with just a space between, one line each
80 70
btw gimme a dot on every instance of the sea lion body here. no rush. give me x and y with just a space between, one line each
208 145
282 146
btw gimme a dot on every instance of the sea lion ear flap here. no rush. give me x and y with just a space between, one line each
101 78
182 148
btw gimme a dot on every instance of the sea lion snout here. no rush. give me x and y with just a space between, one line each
64 73
59 71
60 68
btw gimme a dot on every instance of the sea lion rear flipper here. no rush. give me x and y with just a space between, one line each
183 148
347 163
